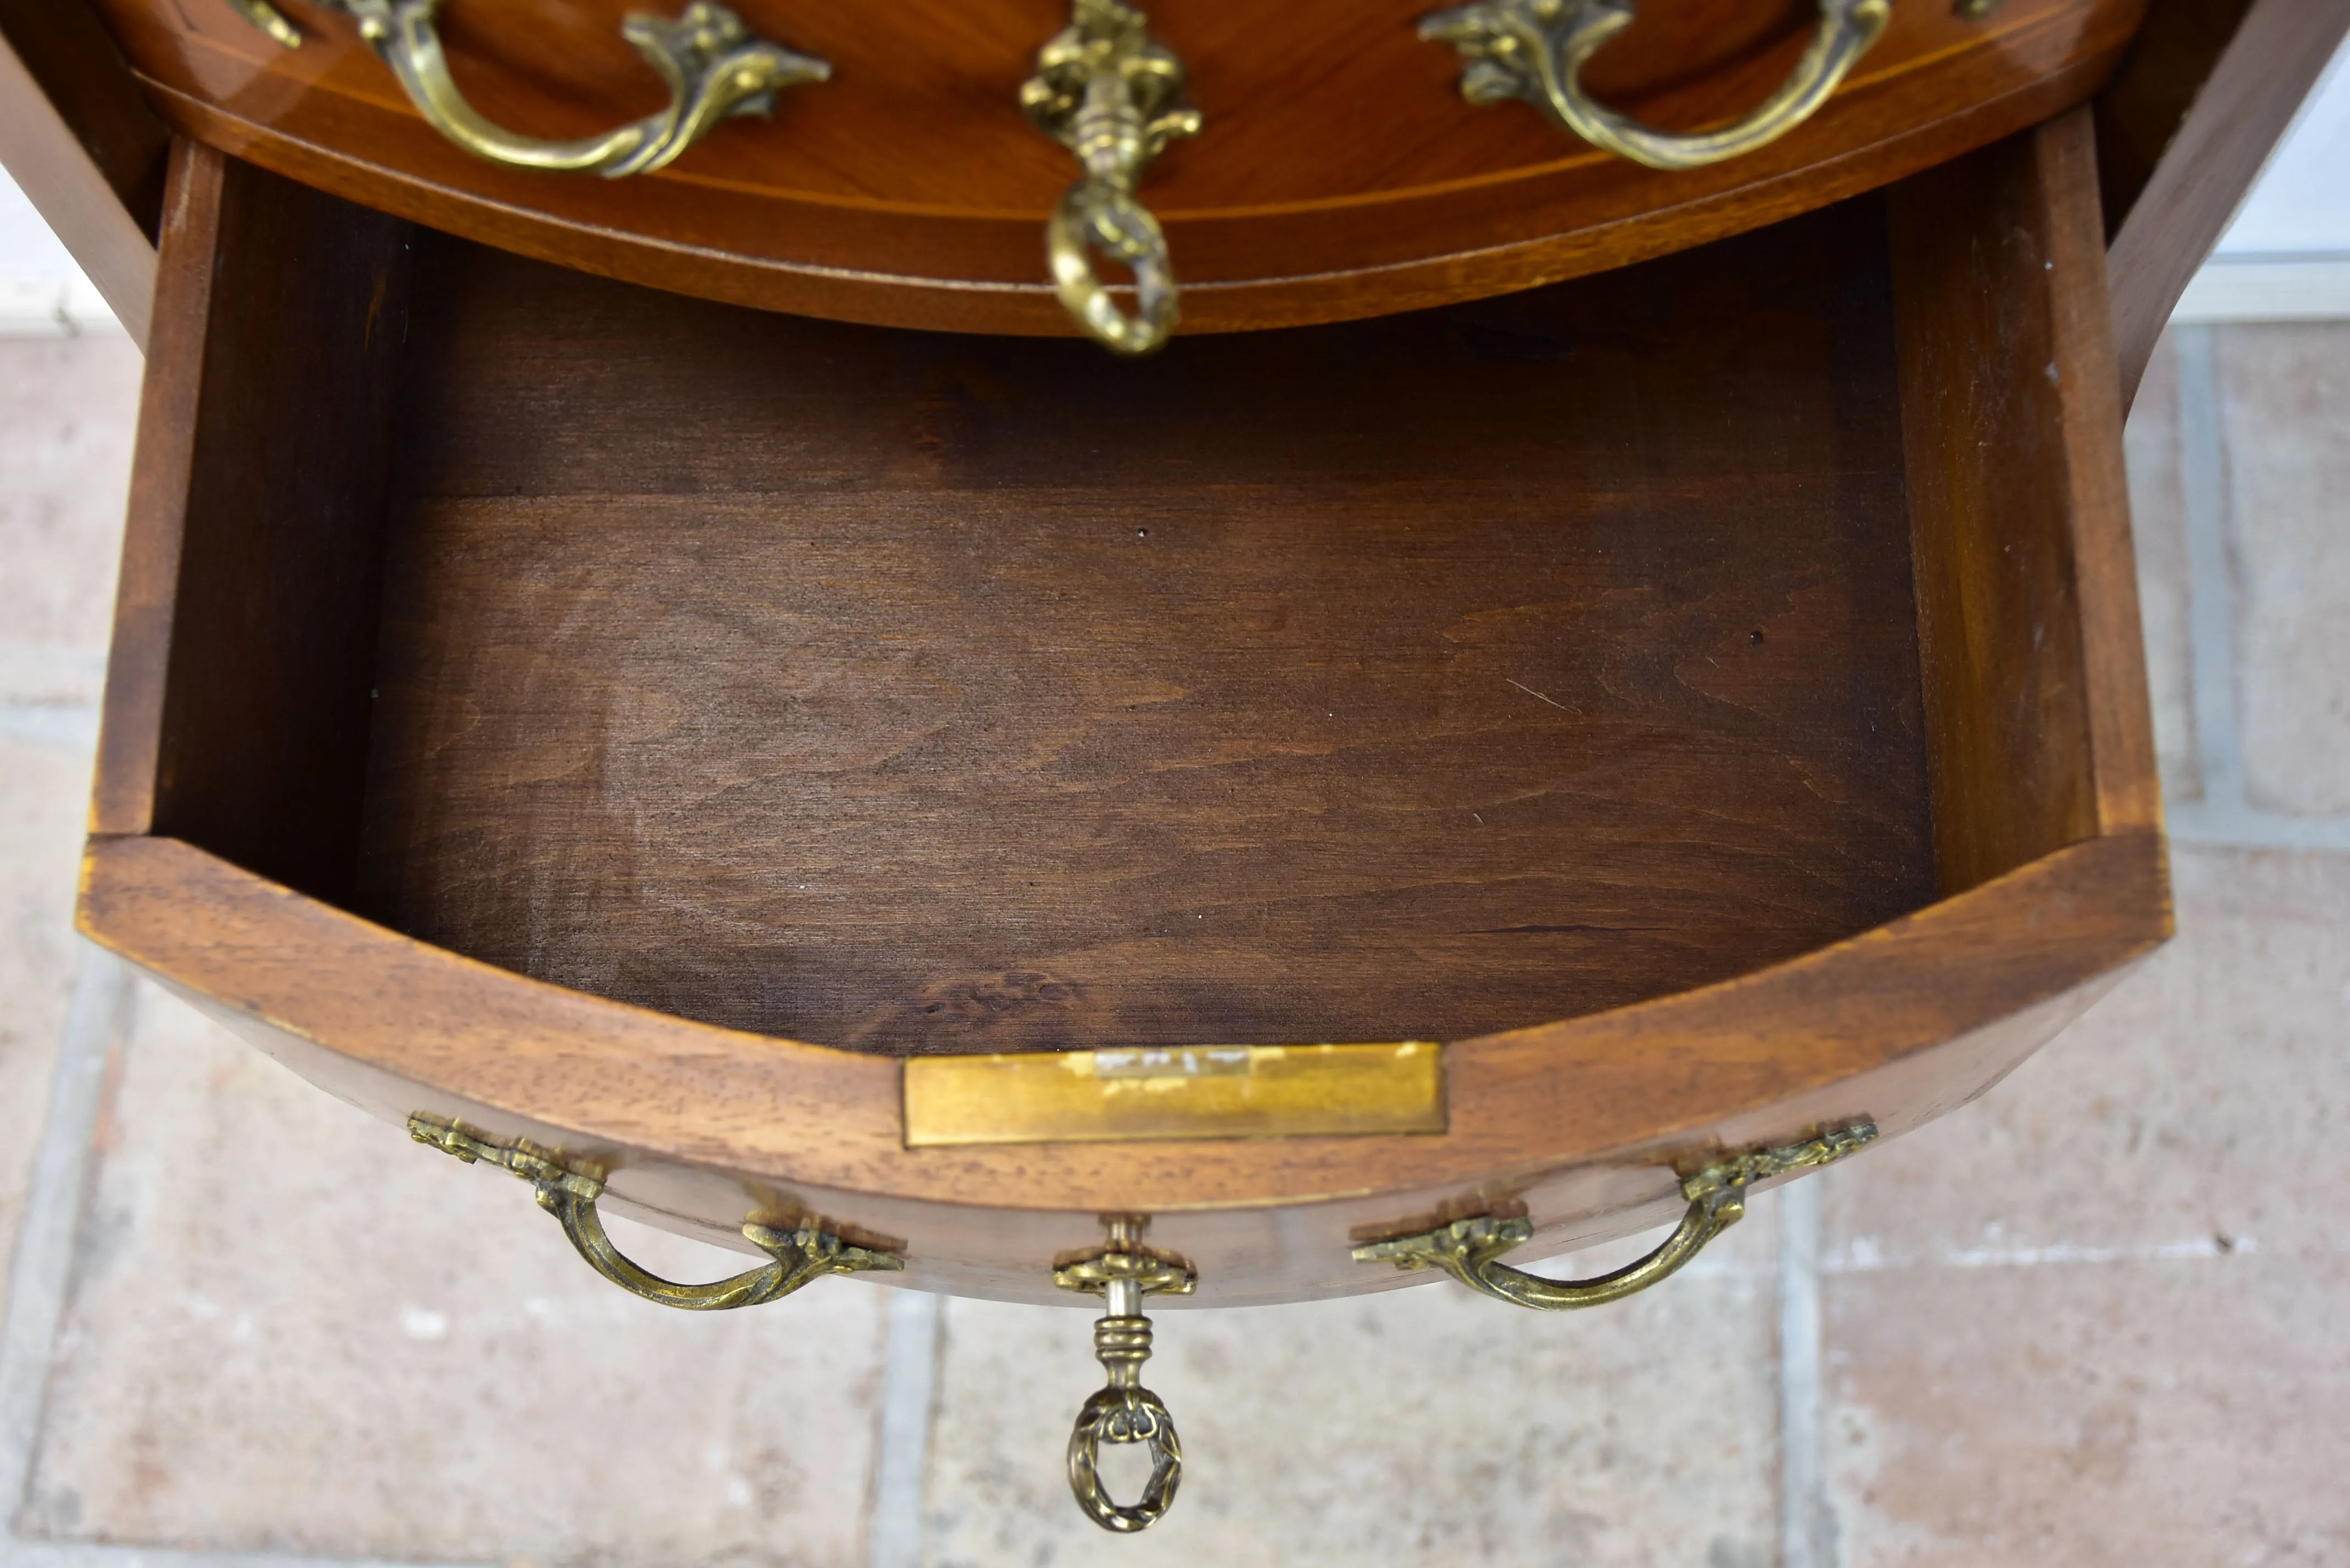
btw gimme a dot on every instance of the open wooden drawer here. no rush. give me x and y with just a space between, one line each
1701 704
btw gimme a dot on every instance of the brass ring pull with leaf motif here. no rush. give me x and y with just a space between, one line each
801 1255
1535 50
1470 1249
714 66
1107 91
1124 1411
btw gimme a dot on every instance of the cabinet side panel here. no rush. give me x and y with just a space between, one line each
68 53
2206 91
68 177
2113 642
262 747
1991 504
148 587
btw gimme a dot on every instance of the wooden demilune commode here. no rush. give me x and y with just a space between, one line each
1577 656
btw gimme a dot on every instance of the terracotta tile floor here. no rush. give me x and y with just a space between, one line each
2102 1316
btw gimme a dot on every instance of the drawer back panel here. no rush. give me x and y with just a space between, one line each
914 691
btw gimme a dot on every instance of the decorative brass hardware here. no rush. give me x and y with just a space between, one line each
712 64
1468 1248
1123 1410
801 1254
1107 91
1534 49
1200 1091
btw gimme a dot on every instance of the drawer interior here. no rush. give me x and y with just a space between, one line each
1408 679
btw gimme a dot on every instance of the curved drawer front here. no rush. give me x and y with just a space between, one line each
1705 714
1339 174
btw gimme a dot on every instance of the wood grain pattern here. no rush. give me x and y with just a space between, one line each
1577 1121
146 586
1401 680
2013 461
2207 90
2154 85
249 590
2125 784
1341 174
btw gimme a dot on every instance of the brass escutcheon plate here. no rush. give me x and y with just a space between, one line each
1175 1092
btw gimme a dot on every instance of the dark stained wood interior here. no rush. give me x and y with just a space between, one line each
1413 679
2013 439
1574 1123
268 469
2009 735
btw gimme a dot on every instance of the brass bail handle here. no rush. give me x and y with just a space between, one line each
802 1254
1123 1410
714 69
1534 49
1469 1250
1107 91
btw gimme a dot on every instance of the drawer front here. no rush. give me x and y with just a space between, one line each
1697 709
1338 172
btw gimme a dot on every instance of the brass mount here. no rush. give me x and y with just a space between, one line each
1107 90
1123 1410
714 68
802 1254
1470 1249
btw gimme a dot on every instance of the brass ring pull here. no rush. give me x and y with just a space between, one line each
800 1255
1124 1414
1469 1250
1094 216
712 64
1124 1411
1534 49
1107 91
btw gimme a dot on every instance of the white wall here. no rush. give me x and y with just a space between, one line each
42 293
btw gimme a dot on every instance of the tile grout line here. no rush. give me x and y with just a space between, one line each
2210 630
16 1554
2225 815
2248 828
1803 1535
40 1272
909 1384
40 1275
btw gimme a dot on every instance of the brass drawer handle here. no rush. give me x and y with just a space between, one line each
1469 1250
712 64
1123 1410
1534 49
801 1255
1106 90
